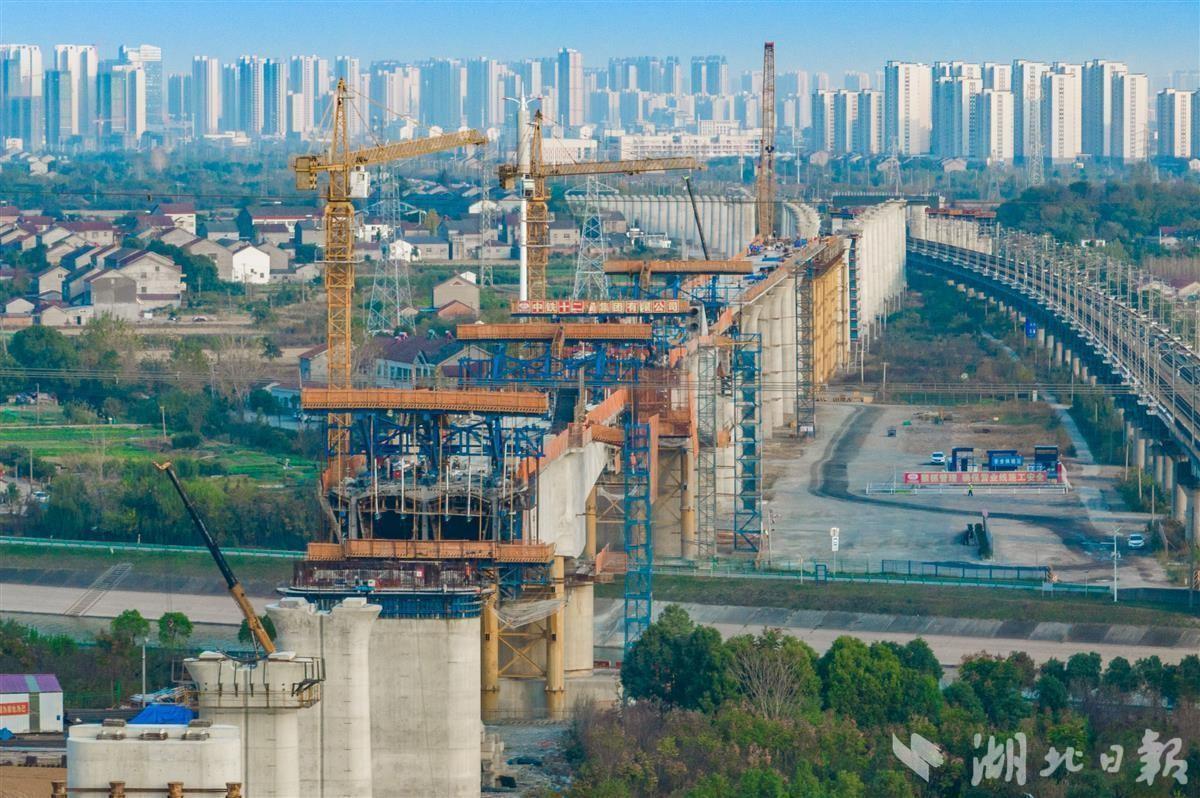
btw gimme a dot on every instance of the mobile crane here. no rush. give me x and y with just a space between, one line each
259 633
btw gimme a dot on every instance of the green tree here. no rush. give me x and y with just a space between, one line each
997 683
1120 676
1083 672
174 629
41 347
270 349
678 663
129 627
862 682
244 635
1052 694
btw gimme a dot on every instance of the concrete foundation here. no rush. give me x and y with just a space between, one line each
578 650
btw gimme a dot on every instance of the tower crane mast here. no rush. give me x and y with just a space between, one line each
765 194
533 189
347 180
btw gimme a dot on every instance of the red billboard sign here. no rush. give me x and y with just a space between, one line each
14 707
599 307
974 477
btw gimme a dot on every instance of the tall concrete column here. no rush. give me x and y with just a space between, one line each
1160 471
589 544
1041 337
489 625
1194 501
1179 508
555 639
687 506
1168 480
1139 451
1076 366
1058 354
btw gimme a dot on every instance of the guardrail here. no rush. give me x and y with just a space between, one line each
1107 307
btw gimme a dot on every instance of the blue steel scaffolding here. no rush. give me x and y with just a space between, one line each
745 360
639 545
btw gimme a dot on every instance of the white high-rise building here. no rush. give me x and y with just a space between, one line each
1196 123
149 58
1027 105
856 81
569 85
823 114
992 140
954 111
868 138
121 103
275 98
206 95
346 68
484 98
21 100
1130 111
1061 124
908 107
303 80
1099 80
80 64
997 76
1174 123
845 120
251 87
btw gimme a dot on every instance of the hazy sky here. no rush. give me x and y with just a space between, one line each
1153 37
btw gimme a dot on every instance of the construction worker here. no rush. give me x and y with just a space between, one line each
970 489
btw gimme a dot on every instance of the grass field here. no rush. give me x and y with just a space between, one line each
950 602
132 443
167 564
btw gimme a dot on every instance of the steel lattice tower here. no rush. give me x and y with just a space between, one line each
590 280
391 289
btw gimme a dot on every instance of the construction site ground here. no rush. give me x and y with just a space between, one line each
824 484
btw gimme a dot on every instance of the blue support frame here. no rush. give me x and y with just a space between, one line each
746 357
637 537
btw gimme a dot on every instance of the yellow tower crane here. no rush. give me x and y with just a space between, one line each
765 194
348 180
533 190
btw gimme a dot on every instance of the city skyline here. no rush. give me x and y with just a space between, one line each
1160 36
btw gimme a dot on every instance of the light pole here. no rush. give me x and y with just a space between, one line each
144 641
1115 556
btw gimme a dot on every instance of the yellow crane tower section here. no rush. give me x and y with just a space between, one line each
537 225
347 180
765 194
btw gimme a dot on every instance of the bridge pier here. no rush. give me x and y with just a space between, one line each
1179 508
1168 480
1194 501
1041 337
1139 450
1058 354
1160 470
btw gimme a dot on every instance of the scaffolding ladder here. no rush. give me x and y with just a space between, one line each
806 383
639 545
708 359
746 357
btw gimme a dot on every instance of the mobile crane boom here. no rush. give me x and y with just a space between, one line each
235 587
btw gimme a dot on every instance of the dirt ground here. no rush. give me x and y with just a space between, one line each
825 484
18 782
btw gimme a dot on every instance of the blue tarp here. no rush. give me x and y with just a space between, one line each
163 715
